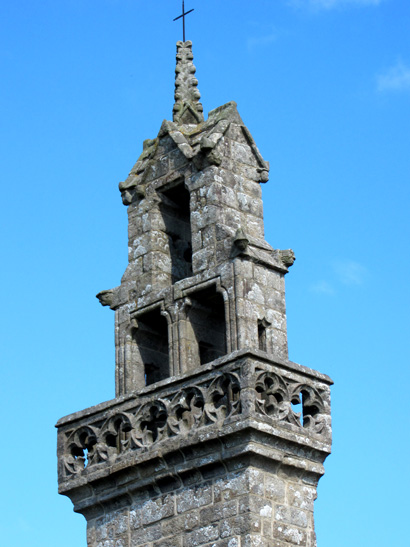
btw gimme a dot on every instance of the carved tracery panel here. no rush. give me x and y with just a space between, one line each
214 400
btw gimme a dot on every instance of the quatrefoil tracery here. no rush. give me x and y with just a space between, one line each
189 409
275 399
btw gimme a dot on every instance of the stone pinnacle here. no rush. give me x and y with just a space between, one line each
187 108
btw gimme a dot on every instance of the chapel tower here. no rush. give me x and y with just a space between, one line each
214 438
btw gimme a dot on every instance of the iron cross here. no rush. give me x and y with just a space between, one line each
183 17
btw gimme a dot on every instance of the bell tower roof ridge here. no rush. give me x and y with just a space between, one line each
187 108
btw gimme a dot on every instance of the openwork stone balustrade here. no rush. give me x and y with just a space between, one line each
286 396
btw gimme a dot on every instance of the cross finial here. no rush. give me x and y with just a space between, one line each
183 17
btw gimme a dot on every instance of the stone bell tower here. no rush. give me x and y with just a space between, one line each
214 438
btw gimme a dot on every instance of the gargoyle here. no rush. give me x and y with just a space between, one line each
287 257
106 297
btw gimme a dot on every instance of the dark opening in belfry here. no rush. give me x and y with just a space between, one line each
175 212
207 319
262 335
151 338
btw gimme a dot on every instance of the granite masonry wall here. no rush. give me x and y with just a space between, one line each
224 506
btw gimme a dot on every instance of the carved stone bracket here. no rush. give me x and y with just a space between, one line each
287 257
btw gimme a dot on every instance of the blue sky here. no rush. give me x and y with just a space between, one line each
324 87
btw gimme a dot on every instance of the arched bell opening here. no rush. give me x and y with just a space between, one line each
175 211
151 345
207 320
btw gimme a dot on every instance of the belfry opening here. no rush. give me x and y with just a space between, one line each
151 350
207 320
175 211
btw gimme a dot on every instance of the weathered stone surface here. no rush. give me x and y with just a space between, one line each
247 518
187 108
215 439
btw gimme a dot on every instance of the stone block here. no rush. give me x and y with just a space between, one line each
240 525
202 260
254 293
267 531
291 515
192 498
255 479
208 236
290 534
256 504
146 534
181 524
233 219
153 220
135 229
223 250
311 539
251 172
230 180
218 512
274 488
156 261
219 194
158 509
157 169
176 159
165 145
276 319
202 536
250 205
196 241
209 214
254 226
231 487
242 153
223 232
275 300
141 245
135 519
301 496
121 523
277 342
235 133
251 188
106 543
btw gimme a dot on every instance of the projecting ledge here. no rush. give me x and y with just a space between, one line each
232 407
205 456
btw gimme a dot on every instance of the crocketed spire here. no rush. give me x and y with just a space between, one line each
187 108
